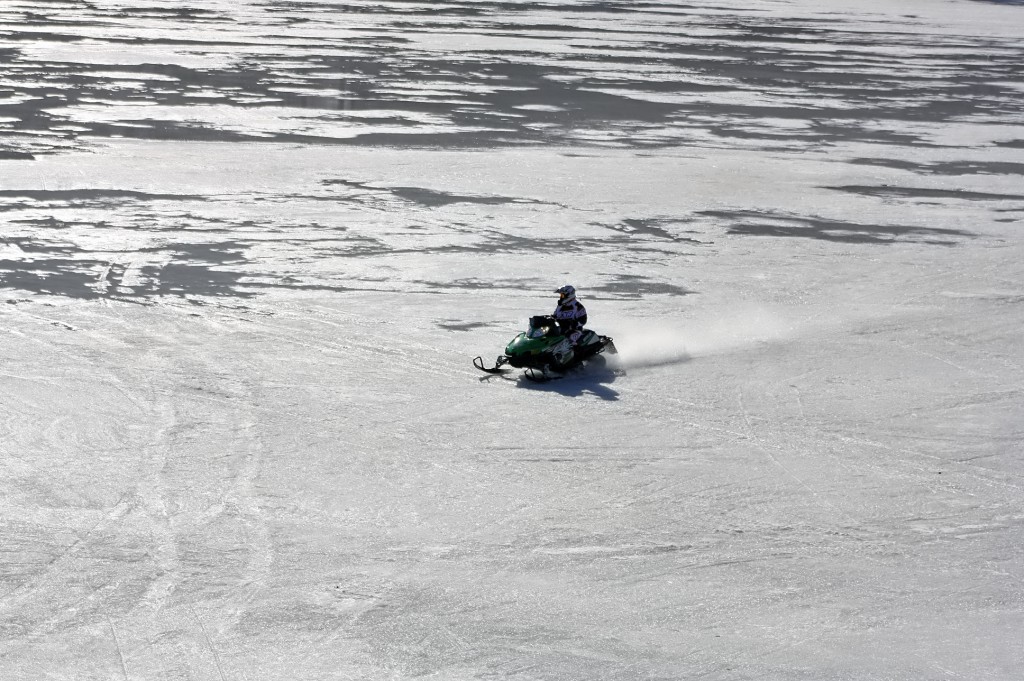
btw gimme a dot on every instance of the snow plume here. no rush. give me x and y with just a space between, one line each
647 344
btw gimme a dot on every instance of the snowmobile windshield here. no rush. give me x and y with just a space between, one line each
540 326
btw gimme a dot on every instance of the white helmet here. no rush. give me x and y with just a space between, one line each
566 295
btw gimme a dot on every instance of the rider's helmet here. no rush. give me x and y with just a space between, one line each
566 295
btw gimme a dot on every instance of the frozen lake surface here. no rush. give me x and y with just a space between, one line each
250 249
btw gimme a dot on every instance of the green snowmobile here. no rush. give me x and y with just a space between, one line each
545 352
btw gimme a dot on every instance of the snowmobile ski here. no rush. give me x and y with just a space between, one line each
478 362
541 376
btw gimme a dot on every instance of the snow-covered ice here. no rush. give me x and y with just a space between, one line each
250 249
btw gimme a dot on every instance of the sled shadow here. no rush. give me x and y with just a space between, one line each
593 379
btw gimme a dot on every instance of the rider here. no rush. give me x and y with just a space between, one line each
570 314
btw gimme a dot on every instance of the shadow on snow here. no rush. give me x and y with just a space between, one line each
594 379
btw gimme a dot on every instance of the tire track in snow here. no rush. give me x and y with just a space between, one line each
153 497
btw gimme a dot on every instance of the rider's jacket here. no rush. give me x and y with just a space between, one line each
571 317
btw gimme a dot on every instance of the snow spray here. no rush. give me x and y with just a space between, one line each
646 344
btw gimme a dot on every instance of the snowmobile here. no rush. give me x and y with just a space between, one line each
545 352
